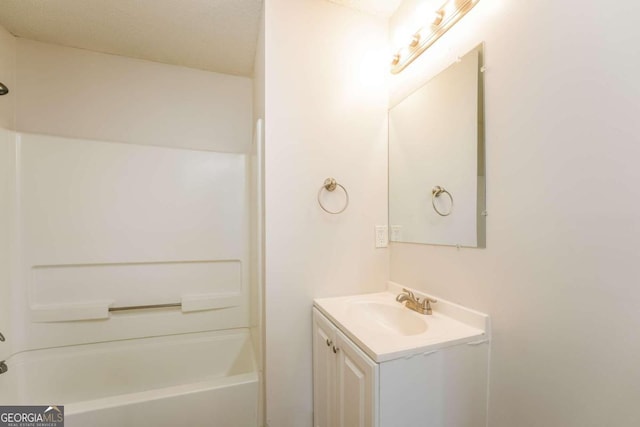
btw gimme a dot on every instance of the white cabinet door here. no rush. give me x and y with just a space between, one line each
441 388
324 366
357 385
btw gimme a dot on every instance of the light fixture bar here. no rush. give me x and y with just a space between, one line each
444 18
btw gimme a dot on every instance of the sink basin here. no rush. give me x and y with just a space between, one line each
387 318
386 330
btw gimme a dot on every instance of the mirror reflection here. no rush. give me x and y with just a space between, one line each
436 159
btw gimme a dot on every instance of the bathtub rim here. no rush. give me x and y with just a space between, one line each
81 406
130 399
32 354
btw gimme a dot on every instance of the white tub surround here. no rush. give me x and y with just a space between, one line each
188 379
376 363
127 242
102 227
126 259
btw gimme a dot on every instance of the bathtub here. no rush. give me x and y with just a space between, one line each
199 379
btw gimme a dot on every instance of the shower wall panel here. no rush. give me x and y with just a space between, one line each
106 225
7 177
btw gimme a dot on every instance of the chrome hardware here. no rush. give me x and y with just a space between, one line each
413 303
330 184
406 295
145 307
1 337
3 367
335 349
478 342
435 193
329 342
426 305
3 89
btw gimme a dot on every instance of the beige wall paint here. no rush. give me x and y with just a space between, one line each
259 73
326 102
560 272
257 214
77 93
8 77
7 122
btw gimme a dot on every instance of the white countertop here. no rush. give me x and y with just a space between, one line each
381 343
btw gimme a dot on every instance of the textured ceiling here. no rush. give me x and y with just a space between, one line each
214 35
374 7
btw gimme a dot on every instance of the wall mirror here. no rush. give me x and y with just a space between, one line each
436 159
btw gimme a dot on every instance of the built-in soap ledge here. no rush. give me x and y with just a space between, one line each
70 312
101 310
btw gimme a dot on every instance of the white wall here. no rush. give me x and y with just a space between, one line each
259 73
77 93
560 272
256 210
8 77
7 121
257 188
326 102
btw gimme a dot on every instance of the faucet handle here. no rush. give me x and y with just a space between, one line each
426 304
409 293
427 301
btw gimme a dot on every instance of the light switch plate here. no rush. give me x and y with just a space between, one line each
396 233
382 236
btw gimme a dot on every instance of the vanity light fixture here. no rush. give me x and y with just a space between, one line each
444 18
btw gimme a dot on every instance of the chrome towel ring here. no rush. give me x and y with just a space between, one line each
330 184
435 193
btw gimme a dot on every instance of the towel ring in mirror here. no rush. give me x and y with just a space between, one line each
435 193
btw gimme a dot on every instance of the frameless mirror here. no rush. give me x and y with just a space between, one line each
436 159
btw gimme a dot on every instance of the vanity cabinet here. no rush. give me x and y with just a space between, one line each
345 379
441 387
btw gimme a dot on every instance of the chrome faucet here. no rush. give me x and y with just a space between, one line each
413 303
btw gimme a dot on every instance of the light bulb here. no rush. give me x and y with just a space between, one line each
437 17
415 40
